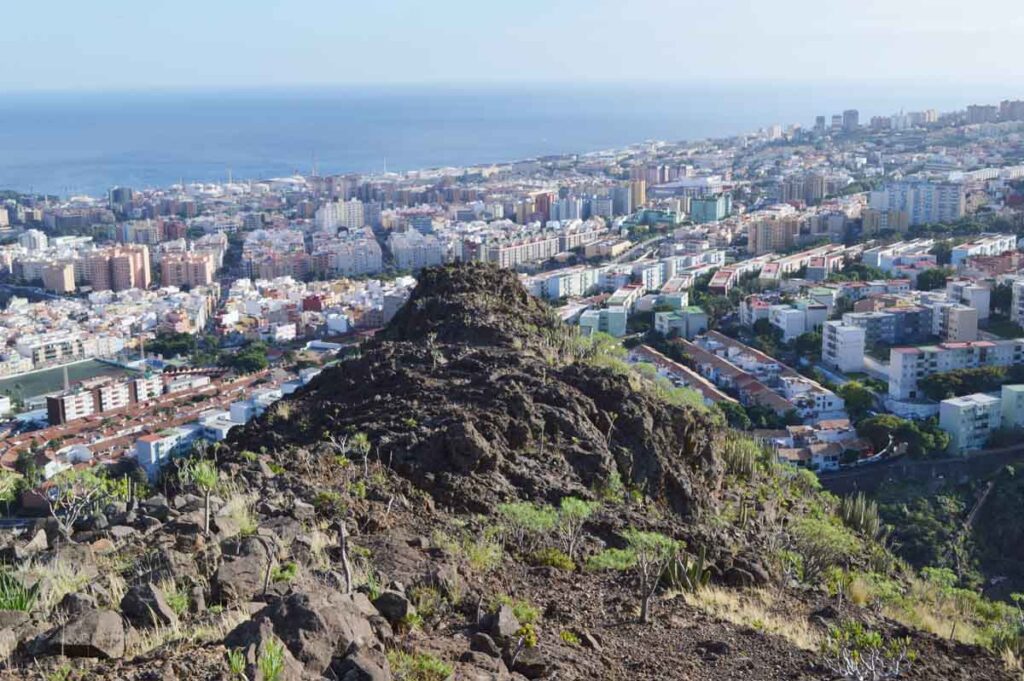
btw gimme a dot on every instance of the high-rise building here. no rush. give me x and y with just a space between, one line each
32 240
851 120
187 269
982 113
923 201
772 234
638 189
59 277
819 124
118 268
710 208
1011 110
622 200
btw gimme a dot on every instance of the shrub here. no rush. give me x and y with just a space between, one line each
648 555
525 523
271 661
285 572
852 651
236 663
551 557
572 514
822 544
570 637
525 612
417 667
741 456
860 514
688 574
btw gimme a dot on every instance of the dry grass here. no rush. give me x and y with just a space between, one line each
180 635
755 608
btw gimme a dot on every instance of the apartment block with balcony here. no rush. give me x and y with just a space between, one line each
907 366
970 421
842 346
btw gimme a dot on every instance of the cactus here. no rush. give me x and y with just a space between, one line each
861 515
689 574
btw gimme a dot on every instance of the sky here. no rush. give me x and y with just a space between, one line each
172 44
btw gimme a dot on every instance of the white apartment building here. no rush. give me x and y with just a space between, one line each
970 293
907 366
990 244
566 283
970 420
953 322
1012 398
1017 309
413 250
842 346
923 201
32 240
789 320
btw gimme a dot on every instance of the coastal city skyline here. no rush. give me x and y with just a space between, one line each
557 340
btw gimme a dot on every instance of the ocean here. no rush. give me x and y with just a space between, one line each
85 143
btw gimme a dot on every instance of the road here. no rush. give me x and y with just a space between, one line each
631 253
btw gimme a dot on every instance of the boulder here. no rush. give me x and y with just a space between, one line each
364 665
75 604
394 606
95 633
502 623
8 642
239 579
530 662
482 643
144 605
255 638
318 625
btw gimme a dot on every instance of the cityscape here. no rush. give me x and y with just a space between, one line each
818 247
469 342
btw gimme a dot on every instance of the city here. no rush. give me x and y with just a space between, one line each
721 406
784 272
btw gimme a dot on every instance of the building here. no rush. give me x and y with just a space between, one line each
154 450
982 113
970 421
923 201
953 322
851 120
686 322
609 320
70 406
33 240
414 250
59 277
118 268
842 346
1012 399
995 244
907 366
710 208
187 270
970 293
771 234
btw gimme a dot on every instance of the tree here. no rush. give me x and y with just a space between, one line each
808 345
10 483
251 358
74 494
735 415
201 474
572 514
648 555
922 439
859 400
932 279
1001 298
959 382
943 252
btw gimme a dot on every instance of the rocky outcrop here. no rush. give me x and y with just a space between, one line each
475 395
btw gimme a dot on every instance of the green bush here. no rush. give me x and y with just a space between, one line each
417 667
552 557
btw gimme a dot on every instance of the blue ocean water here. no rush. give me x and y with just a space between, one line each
73 143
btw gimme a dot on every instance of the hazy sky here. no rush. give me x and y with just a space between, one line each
119 44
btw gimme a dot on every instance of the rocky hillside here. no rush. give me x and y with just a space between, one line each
477 494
